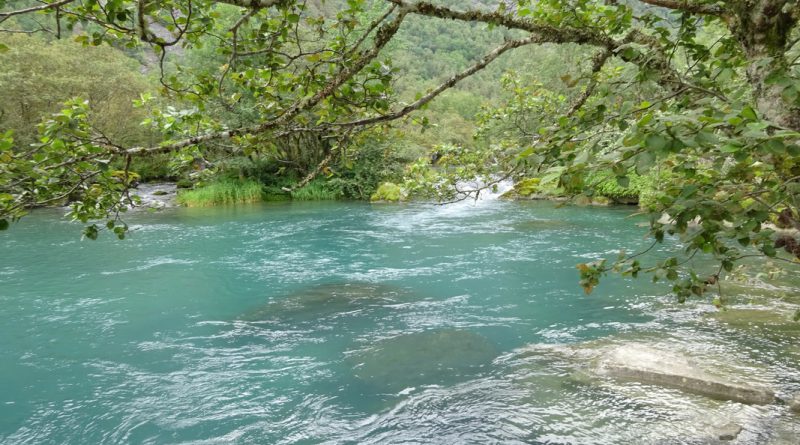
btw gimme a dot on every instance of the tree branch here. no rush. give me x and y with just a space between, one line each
548 33
382 37
258 4
5 15
687 6
486 60
598 61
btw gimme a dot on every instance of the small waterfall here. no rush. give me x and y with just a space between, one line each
495 192
490 193
156 195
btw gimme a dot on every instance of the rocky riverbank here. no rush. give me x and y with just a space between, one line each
724 397
157 195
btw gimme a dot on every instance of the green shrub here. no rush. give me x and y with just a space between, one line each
150 168
264 170
641 189
222 192
388 191
129 177
358 175
527 187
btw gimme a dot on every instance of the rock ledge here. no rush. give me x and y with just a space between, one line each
653 366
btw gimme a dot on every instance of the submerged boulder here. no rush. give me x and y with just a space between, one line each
431 357
649 365
762 320
535 225
326 299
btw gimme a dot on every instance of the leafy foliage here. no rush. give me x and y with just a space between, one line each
389 192
39 76
706 91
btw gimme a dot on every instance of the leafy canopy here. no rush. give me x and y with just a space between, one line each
706 90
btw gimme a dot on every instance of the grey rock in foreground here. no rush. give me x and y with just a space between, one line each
729 432
794 403
652 366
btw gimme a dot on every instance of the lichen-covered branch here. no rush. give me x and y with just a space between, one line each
694 7
56 4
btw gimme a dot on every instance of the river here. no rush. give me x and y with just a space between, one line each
300 323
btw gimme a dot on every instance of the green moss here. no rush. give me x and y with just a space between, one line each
224 192
388 191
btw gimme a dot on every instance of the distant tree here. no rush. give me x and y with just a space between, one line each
38 76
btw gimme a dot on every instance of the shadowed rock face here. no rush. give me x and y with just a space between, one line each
326 300
425 358
644 364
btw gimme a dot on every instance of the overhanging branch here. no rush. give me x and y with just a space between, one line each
382 37
687 6
451 82
56 4
547 33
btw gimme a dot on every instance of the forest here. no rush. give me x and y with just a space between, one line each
688 110
665 133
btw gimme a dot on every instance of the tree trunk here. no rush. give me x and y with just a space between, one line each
762 28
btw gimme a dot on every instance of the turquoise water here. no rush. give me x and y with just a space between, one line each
343 323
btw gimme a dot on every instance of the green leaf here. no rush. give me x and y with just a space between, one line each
645 120
644 161
749 113
91 232
623 181
655 142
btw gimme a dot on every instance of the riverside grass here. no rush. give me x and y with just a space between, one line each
224 192
315 191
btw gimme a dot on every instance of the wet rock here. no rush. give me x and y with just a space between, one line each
794 403
648 365
432 357
327 299
754 317
729 432
156 195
